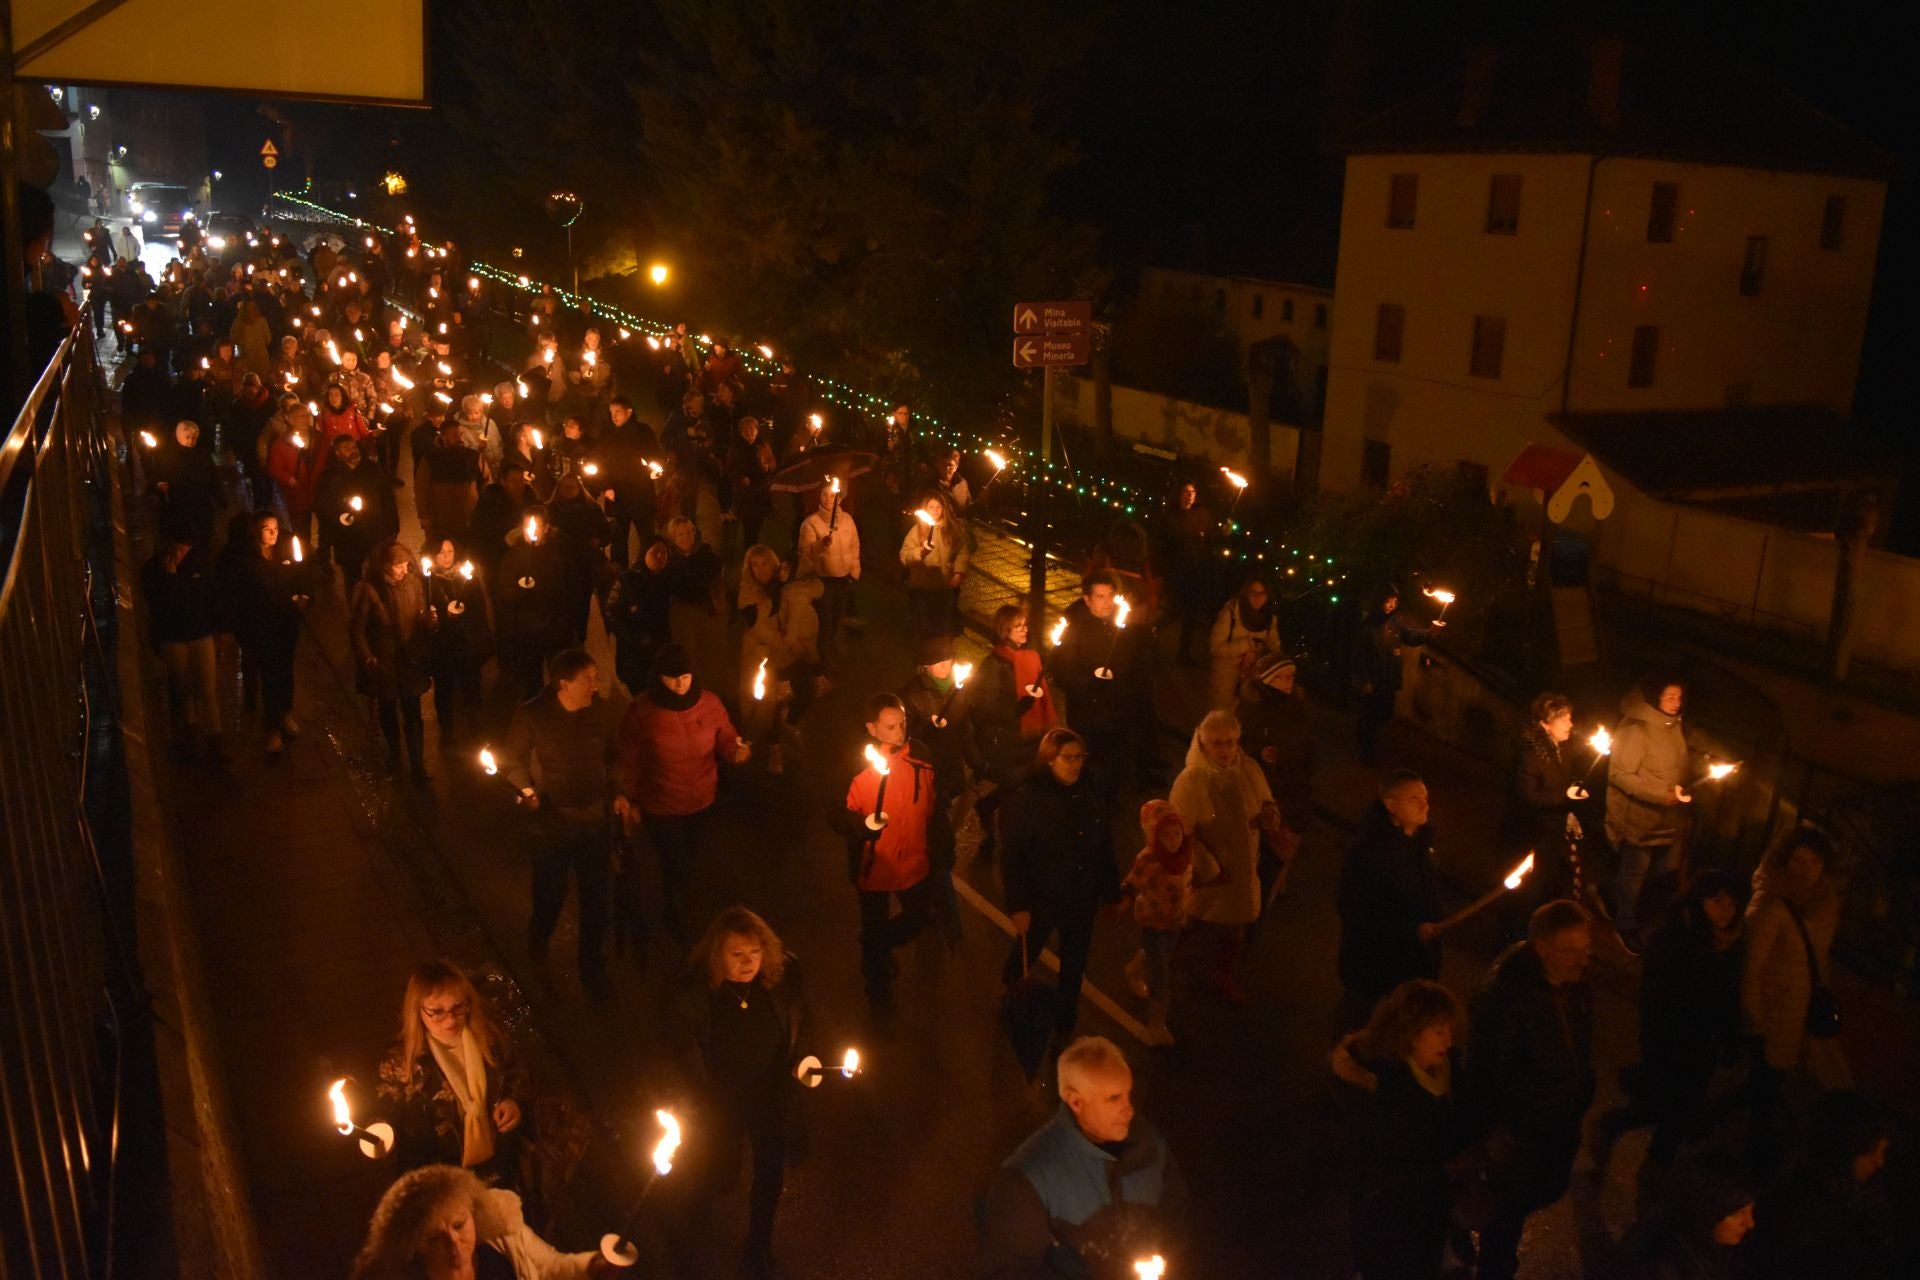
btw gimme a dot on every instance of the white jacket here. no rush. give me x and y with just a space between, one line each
837 556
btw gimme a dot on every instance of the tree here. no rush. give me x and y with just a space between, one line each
863 183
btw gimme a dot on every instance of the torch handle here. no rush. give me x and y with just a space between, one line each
1473 908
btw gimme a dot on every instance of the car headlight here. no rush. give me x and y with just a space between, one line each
216 243
149 216
187 216
136 206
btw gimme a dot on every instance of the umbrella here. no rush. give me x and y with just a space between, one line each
1027 1013
812 468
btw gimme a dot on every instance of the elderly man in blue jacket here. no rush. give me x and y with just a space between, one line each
1092 1192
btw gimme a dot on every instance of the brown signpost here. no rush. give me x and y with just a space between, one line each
1052 317
1047 336
1047 349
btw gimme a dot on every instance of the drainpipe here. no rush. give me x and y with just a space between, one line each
1579 283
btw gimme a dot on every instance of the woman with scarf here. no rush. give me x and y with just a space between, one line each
636 611
737 1023
1161 886
1404 1075
934 554
270 594
1246 630
781 647
1223 798
389 626
1010 704
449 1084
338 417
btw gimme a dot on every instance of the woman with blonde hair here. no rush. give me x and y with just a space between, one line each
443 1223
934 554
739 1026
449 1081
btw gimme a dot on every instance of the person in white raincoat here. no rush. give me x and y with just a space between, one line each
1223 798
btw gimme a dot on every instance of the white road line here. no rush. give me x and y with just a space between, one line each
1093 995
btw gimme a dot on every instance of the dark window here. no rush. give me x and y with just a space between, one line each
1833 222
1646 346
1319 315
1375 456
1474 473
1220 301
1387 329
1666 202
1489 346
1754 268
1286 309
1403 199
1259 305
1503 204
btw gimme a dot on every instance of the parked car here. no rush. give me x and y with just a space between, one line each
160 208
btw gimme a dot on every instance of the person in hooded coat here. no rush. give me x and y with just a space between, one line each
1223 798
675 736
1646 792
1246 632
1276 728
1161 887
1540 815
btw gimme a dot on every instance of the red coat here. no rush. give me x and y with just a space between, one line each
296 471
670 760
897 859
348 423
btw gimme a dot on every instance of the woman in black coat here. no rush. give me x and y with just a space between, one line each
1540 815
1058 852
1407 1125
464 640
637 614
739 1027
270 592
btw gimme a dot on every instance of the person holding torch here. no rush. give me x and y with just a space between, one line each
1542 804
1389 897
890 804
737 1032
1103 672
829 545
1646 792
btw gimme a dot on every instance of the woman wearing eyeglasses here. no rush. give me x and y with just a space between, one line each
449 1084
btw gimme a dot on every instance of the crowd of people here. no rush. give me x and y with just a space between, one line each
283 397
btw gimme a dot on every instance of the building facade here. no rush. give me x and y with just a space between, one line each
1292 322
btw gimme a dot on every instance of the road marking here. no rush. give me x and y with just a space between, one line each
1093 995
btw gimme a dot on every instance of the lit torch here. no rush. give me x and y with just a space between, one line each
617 1247
1441 594
760 682
1059 632
1513 881
878 762
376 1139
1602 744
1239 483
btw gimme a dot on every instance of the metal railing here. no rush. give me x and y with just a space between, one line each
60 968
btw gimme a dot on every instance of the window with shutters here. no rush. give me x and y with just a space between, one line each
1833 222
1646 348
1753 268
1489 346
1660 214
1403 200
1503 204
1387 329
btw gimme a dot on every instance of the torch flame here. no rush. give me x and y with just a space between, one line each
760 682
925 517
1121 608
150 440
874 758
833 484
815 421
653 342
355 502
962 672
402 380
591 357
993 456
765 350
342 1114
1058 633
487 762
1153 1268
669 1144
426 566
533 529
1520 872
297 440
850 1064
539 441
1601 741
1715 772
655 470
466 570
1438 593
1234 478
297 557
590 468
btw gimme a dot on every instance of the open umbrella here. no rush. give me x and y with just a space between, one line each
1027 1013
812 468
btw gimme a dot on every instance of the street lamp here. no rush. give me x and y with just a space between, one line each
657 273
564 208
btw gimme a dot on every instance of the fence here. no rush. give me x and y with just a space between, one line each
60 1034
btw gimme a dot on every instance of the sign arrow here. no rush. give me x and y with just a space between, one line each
1025 320
1025 350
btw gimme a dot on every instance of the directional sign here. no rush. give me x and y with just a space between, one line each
1052 317
269 154
1050 349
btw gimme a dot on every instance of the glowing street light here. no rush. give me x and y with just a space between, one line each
658 273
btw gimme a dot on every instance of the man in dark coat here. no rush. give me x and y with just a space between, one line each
1530 1069
1103 669
348 532
1389 898
1378 669
623 453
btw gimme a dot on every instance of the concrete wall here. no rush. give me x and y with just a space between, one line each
1798 340
1200 430
1756 574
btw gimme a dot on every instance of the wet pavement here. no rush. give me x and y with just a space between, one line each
319 881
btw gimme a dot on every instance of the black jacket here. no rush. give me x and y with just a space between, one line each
1531 1063
1058 847
1094 705
690 1004
1689 1000
949 745
182 605
1387 891
995 704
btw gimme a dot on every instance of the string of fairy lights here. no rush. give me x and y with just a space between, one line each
1247 547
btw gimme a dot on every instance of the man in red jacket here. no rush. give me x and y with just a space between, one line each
671 744
885 825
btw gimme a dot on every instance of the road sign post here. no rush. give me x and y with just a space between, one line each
1047 335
